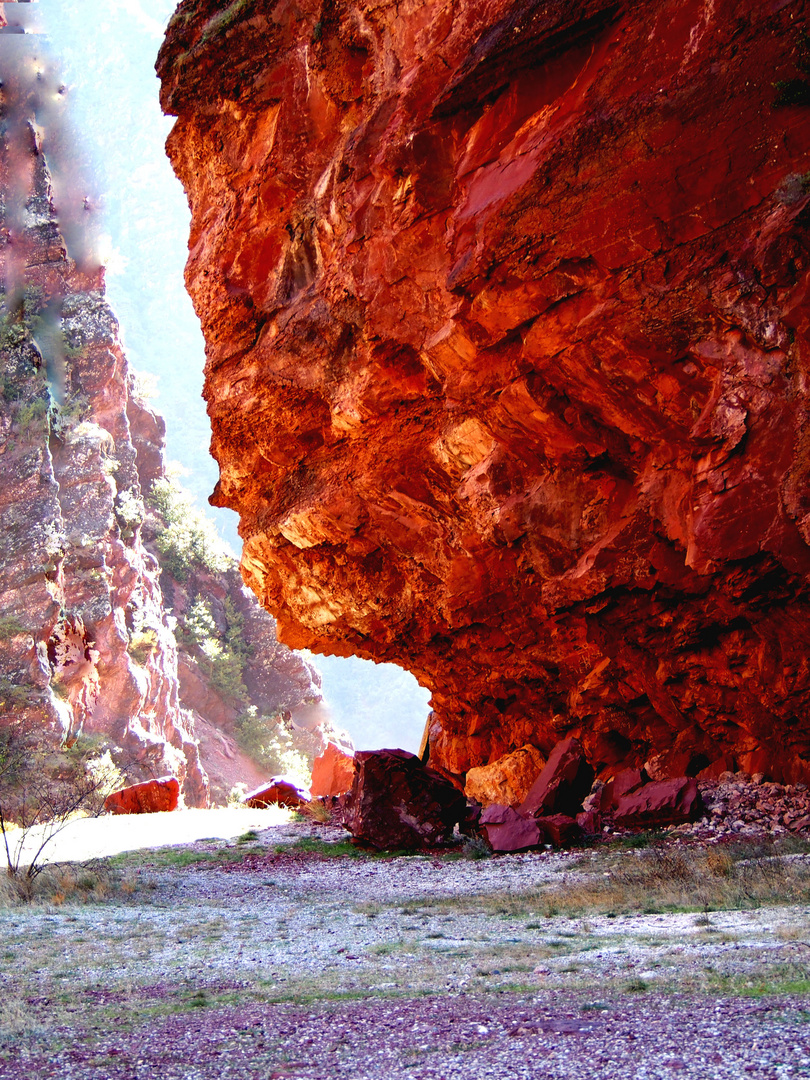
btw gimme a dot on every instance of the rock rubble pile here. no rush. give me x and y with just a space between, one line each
396 802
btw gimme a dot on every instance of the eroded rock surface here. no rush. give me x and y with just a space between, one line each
85 646
506 316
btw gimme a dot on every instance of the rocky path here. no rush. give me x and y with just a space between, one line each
451 1037
296 962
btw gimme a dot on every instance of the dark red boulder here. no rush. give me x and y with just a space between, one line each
397 802
563 783
281 791
590 821
508 830
559 829
150 797
663 802
623 783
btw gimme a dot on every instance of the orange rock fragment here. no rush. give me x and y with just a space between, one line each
332 772
150 797
506 781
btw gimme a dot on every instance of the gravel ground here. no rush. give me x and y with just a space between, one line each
453 1037
290 964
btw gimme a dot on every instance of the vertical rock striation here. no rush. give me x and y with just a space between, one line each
84 643
506 316
87 641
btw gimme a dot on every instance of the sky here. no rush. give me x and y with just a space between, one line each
104 53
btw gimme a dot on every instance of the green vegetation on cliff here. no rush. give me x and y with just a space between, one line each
188 539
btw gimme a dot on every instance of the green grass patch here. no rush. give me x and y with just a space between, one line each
180 857
330 849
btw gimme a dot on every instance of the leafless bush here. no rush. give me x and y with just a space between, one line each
43 785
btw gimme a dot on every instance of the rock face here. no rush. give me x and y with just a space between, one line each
87 646
506 317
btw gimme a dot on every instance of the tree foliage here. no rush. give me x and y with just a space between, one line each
269 741
186 539
221 654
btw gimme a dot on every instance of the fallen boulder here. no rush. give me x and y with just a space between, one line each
506 781
623 783
662 802
563 784
397 802
506 829
590 822
279 791
332 773
559 829
150 797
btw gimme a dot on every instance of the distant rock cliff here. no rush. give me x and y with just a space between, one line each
506 313
87 644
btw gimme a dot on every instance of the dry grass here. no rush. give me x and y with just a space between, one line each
316 812
74 883
685 879
652 881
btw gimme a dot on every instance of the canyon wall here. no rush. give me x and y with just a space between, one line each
88 639
506 319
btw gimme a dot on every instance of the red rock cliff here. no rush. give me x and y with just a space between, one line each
506 312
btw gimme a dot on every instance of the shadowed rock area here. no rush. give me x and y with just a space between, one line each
506 321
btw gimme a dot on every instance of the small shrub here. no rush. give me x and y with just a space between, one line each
12 333
72 412
31 415
187 539
476 847
236 796
10 388
142 387
791 92
42 787
10 627
13 696
223 20
142 645
793 188
129 512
